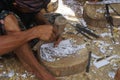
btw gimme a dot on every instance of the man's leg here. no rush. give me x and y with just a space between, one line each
24 53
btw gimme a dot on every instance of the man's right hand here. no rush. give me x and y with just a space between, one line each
45 32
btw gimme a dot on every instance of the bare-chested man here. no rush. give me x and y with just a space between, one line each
13 39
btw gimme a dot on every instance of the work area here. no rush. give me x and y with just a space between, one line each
90 45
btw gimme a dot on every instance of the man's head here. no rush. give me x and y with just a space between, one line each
30 6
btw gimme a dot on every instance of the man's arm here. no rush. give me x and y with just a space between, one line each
12 41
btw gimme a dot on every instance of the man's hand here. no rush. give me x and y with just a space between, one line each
45 32
48 33
58 41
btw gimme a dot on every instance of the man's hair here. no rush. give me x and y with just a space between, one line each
33 5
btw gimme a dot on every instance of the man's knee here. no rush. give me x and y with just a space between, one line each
11 23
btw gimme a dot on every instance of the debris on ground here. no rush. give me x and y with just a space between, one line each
105 54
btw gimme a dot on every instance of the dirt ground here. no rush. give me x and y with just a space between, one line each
11 68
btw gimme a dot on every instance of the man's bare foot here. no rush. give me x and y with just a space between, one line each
44 76
41 74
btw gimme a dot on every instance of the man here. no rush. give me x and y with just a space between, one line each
13 39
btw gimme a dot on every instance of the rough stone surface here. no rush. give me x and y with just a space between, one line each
68 65
94 14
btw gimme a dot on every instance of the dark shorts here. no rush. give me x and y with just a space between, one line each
5 13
